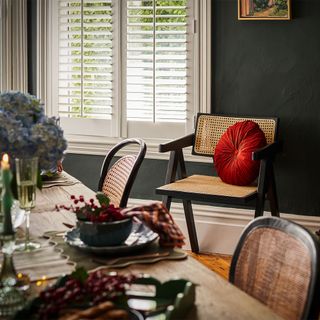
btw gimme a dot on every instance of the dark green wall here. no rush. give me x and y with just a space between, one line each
259 68
273 68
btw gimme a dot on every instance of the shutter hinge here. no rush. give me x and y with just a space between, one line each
195 24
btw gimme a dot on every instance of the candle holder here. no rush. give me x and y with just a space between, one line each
11 298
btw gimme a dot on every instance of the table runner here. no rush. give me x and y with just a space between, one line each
56 258
90 261
48 261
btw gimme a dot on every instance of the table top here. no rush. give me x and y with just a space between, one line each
215 297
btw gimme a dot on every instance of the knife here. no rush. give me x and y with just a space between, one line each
131 258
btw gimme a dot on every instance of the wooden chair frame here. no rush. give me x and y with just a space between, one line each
107 161
312 307
176 168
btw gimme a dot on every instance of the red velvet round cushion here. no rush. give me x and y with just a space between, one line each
233 153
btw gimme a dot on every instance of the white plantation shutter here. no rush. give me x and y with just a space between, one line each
123 68
157 60
85 75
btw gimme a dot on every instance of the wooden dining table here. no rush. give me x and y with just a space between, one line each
216 298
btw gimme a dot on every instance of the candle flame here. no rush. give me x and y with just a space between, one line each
5 158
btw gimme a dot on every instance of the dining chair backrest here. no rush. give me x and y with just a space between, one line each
277 262
116 180
210 128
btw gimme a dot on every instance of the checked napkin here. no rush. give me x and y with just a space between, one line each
157 217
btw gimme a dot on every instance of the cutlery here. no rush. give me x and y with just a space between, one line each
134 236
131 258
68 225
48 186
60 234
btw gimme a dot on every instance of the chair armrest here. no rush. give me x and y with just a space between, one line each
177 144
265 152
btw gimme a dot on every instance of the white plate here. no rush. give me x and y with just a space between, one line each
140 237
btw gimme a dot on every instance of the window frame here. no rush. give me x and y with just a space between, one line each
97 144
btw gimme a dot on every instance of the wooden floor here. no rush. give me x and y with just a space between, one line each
216 262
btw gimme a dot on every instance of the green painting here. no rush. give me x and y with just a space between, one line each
264 9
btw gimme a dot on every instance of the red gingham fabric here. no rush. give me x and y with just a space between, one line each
157 217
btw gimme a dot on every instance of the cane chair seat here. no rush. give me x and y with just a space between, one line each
204 186
116 180
210 189
277 262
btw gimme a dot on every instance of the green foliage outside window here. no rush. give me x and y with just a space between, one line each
83 55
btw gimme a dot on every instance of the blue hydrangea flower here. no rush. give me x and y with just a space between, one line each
25 131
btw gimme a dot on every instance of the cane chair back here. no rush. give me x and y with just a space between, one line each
211 127
116 182
277 262
117 178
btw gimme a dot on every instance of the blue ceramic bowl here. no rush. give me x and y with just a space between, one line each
104 234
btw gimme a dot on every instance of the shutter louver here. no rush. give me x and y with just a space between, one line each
157 62
85 59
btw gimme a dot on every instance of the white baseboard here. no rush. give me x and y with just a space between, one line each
219 228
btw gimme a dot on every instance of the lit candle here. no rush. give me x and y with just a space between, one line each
5 162
6 196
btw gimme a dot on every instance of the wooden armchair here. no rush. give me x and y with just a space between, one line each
209 129
277 262
116 181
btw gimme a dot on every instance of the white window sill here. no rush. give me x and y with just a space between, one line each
101 145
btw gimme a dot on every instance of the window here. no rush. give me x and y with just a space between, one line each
85 82
122 68
157 60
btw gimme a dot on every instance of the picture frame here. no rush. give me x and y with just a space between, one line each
264 9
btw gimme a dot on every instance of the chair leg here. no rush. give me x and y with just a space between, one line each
272 195
166 200
191 226
262 188
259 206
170 176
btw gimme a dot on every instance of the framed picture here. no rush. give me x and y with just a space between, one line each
264 9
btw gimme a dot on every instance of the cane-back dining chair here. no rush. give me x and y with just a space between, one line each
277 262
211 189
116 180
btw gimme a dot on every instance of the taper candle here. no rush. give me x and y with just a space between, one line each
6 196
